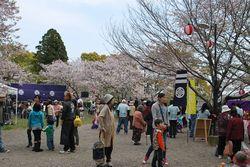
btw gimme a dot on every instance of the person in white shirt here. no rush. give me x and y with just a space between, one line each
204 112
173 112
123 113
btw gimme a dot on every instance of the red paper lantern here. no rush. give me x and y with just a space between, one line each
188 29
241 92
210 43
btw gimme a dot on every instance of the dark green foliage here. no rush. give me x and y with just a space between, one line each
51 48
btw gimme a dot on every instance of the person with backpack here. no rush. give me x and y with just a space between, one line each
158 143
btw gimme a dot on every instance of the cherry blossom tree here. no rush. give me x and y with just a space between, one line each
11 72
8 20
117 74
217 51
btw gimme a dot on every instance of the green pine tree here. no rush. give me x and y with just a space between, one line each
51 48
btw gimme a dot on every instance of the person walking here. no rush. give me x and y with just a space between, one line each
2 101
123 113
173 112
159 111
235 131
36 123
67 118
149 120
139 125
158 143
223 119
107 127
131 113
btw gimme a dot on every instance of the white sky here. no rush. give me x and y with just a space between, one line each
81 23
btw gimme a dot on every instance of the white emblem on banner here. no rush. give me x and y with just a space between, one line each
20 92
180 92
37 92
52 93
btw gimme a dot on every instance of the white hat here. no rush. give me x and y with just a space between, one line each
124 101
79 101
225 108
107 98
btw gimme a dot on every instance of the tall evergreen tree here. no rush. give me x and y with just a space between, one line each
51 48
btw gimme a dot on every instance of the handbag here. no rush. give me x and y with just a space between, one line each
77 121
228 151
99 151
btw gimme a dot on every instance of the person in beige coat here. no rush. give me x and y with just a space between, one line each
107 127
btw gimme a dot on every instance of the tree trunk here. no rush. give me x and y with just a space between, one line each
215 109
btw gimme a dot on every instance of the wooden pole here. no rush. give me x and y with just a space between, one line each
205 124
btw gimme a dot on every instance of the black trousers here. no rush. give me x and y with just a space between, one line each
236 146
173 128
150 149
108 152
221 144
68 136
136 137
158 158
29 136
37 135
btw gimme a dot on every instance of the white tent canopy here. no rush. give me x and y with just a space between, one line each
8 90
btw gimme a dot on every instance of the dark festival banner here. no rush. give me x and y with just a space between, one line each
28 91
180 94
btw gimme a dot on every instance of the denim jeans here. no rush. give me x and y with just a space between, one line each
50 142
122 121
1 142
193 121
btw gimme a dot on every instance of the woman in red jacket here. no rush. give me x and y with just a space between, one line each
138 124
235 131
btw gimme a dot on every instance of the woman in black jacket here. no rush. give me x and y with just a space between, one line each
67 132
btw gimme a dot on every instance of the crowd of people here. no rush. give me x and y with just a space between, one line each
157 119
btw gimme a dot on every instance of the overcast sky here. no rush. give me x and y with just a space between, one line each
81 23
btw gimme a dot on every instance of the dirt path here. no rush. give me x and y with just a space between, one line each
125 154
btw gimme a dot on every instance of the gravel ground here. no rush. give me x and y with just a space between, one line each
125 154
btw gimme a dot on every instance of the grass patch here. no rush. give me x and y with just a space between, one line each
22 123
